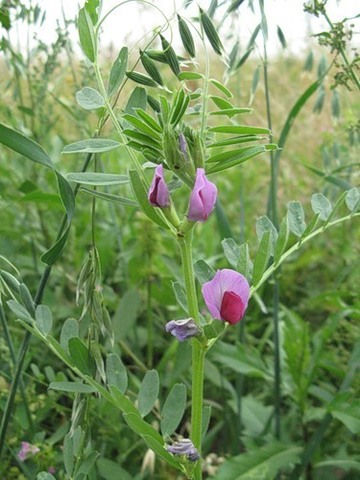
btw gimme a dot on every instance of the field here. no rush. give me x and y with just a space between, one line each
179 250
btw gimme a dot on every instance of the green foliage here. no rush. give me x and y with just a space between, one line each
173 409
118 71
92 145
44 319
98 344
148 393
116 372
89 98
262 463
87 34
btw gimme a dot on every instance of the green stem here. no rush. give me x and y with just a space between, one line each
185 245
277 363
272 202
296 247
13 358
205 89
240 387
198 351
150 326
240 379
198 360
273 214
114 119
93 213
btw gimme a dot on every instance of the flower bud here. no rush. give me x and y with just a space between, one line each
184 447
182 329
173 155
202 199
159 195
178 155
183 146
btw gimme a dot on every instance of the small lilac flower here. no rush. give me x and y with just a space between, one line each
227 295
52 470
26 450
159 193
184 447
182 329
202 198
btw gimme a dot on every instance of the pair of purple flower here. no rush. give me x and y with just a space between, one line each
202 198
226 297
227 294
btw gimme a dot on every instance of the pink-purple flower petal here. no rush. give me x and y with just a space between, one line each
184 447
227 295
26 450
182 329
202 198
159 195
232 307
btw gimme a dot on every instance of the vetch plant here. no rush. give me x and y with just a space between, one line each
169 130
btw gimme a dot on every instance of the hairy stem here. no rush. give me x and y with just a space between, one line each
198 352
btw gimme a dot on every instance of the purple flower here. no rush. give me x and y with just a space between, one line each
159 193
182 329
184 447
52 470
227 295
203 198
26 450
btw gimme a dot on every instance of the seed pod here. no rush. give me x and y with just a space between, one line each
234 5
186 36
157 55
211 32
142 79
170 56
151 68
